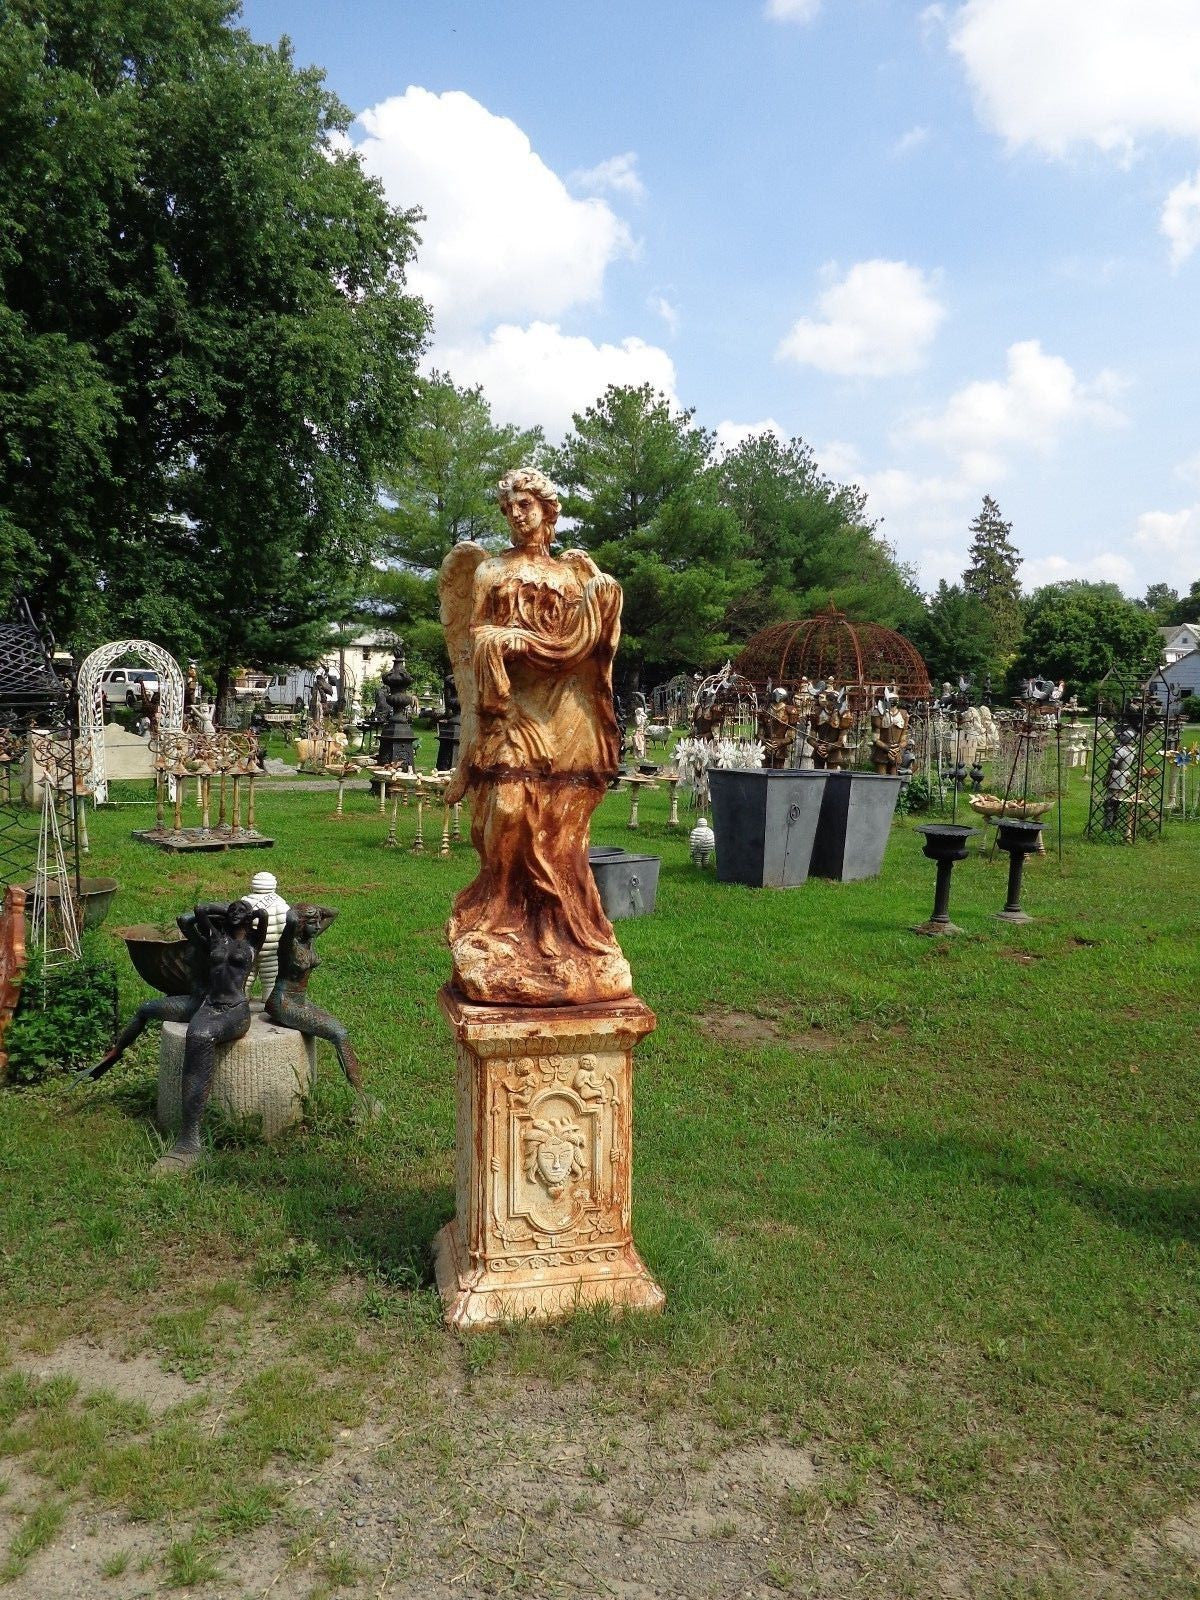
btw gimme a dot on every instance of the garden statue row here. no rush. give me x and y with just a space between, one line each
811 728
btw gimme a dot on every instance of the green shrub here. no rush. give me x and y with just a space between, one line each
915 797
66 1018
1189 708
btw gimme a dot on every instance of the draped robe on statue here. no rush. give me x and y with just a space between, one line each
532 640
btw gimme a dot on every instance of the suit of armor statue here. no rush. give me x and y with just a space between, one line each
889 733
777 722
832 721
707 716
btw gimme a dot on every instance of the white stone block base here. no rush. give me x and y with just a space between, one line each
265 1076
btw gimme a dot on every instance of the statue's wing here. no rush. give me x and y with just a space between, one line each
456 591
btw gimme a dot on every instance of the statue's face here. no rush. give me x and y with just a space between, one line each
526 517
554 1162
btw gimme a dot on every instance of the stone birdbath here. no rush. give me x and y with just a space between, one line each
672 778
637 781
945 843
1019 839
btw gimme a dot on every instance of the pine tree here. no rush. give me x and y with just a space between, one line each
991 575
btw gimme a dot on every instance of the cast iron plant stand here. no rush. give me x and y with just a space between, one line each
945 843
1019 839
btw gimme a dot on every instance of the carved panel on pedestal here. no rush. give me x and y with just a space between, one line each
557 1181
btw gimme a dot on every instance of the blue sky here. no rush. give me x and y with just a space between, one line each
954 247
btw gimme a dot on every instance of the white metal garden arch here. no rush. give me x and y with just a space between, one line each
92 705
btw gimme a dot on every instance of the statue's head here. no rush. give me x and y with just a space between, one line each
528 501
240 916
309 917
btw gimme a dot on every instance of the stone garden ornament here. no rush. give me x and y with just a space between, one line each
233 936
264 896
288 1003
531 637
541 1001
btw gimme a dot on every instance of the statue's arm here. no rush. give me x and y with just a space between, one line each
287 940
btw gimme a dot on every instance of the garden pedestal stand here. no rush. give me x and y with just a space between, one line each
544 1163
1019 839
264 1077
945 843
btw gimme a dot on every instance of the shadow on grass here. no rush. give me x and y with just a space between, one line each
1166 1211
381 1233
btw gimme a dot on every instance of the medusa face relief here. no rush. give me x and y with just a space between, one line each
554 1154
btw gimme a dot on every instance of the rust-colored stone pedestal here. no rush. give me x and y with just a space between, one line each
544 1163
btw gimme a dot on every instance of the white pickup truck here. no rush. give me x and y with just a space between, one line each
122 686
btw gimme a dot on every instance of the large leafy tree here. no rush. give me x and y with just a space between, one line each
633 476
810 539
954 637
1078 631
1187 609
991 574
207 353
1161 601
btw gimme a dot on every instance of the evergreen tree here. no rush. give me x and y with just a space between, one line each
633 478
954 638
991 575
443 488
810 539
207 354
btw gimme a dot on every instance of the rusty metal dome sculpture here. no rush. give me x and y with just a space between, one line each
863 657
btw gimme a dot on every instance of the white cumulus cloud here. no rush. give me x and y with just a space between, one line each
1057 73
791 10
877 321
617 175
1169 543
538 374
985 421
1180 220
731 434
503 237
1107 567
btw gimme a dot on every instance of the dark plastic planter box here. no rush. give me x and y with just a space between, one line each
765 823
856 817
628 883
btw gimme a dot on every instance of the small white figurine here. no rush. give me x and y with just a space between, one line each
703 842
262 894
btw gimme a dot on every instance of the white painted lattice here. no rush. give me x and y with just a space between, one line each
92 706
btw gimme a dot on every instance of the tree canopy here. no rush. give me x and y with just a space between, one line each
711 547
633 479
207 353
1078 631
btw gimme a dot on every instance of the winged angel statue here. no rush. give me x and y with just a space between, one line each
531 639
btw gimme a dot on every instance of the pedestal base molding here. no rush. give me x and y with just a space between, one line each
543 1173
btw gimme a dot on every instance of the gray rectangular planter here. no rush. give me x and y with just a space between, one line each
765 823
628 883
856 816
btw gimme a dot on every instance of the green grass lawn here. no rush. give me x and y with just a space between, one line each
926 1209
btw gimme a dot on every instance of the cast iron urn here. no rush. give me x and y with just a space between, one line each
945 843
1019 838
